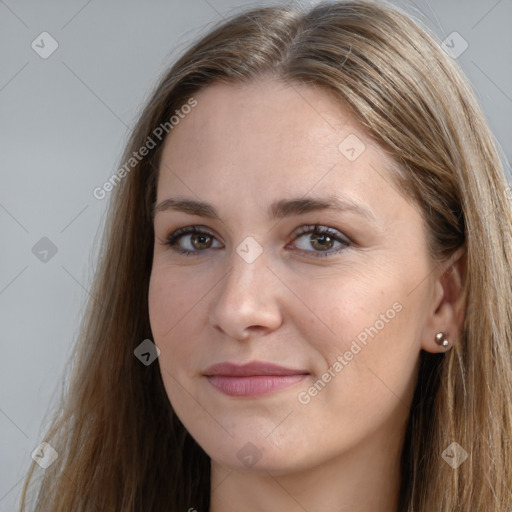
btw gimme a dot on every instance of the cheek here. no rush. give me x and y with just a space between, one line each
335 310
174 303
173 311
365 333
365 377
170 298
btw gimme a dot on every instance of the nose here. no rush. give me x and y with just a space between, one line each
247 300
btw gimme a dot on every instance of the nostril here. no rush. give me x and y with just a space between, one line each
255 329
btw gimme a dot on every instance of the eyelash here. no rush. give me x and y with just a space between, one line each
316 229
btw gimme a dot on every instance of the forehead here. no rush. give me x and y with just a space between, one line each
274 139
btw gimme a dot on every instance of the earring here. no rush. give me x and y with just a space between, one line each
441 340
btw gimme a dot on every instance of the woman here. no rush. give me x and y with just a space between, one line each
303 299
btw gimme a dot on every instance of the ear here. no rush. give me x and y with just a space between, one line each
446 309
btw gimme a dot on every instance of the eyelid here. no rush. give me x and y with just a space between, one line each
176 235
172 239
337 235
186 230
321 229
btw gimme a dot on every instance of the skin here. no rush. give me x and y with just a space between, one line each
242 148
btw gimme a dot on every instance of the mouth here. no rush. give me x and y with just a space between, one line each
253 379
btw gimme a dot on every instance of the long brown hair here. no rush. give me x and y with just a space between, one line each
120 445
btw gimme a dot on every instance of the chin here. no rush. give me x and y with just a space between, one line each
255 454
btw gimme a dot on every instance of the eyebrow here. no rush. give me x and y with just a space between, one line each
277 210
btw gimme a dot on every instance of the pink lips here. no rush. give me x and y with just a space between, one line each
252 379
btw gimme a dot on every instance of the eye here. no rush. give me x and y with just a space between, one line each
322 239
194 238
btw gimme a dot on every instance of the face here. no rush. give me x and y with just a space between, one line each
308 257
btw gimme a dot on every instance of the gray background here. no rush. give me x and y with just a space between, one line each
63 124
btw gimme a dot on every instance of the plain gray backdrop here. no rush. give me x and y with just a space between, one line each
64 120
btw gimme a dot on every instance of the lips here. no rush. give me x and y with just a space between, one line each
251 369
252 379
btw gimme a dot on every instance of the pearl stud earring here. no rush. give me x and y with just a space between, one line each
441 340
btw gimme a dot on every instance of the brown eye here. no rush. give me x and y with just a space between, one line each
323 240
201 241
191 240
